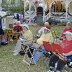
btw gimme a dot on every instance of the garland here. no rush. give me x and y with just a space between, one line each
58 14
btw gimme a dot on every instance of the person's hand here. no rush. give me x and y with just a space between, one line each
36 45
64 54
62 57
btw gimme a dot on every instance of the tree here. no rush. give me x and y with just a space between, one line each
12 6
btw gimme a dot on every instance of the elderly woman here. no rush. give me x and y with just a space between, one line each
66 52
40 50
26 38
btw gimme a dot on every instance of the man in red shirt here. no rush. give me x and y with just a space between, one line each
67 28
66 51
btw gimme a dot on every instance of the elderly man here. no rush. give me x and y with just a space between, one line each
67 28
66 52
26 38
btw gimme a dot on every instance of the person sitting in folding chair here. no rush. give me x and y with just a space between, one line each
67 28
41 31
64 57
47 36
26 38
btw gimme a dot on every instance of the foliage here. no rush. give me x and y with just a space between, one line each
27 8
17 9
13 7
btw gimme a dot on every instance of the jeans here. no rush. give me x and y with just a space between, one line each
38 54
60 63
69 58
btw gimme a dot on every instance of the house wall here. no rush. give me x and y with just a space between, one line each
9 20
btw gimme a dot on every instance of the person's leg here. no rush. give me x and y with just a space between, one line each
36 57
0 39
60 65
52 62
38 54
18 47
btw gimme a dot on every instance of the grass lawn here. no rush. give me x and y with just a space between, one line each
10 63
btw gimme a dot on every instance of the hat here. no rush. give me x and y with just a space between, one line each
68 32
46 23
25 25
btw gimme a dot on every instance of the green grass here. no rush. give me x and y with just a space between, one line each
10 63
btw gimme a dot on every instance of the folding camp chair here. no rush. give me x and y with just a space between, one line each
69 61
58 49
28 53
48 48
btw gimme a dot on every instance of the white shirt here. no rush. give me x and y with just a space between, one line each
41 31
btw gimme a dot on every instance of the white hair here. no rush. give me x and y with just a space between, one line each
46 23
67 32
68 22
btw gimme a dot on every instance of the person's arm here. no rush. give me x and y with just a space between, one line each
40 32
67 54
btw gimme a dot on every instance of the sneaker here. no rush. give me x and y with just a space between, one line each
50 71
14 51
15 54
58 71
32 64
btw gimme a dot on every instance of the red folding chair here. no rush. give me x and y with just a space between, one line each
53 47
57 48
47 46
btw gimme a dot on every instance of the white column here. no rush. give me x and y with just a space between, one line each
66 6
30 12
43 15
50 10
24 8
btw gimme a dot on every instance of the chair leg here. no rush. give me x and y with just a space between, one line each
26 59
